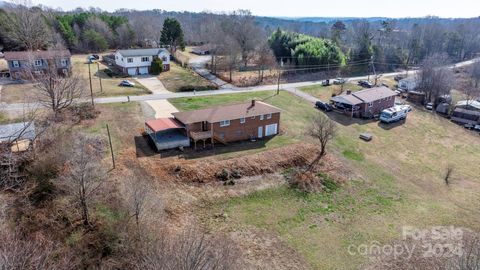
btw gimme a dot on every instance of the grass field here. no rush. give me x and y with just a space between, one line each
325 92
178 77
396 180
109 85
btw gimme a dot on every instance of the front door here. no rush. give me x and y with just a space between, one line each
260 132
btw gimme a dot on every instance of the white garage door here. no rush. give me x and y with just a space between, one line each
132 71
271 129
143 71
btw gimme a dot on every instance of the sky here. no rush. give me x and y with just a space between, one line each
296 8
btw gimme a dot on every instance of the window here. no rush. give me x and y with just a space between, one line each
242 120
225 123
261 117
64 62
370 104
164 58
130 60
145 59
269 116
38 63
15 64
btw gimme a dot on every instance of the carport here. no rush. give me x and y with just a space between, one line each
167 133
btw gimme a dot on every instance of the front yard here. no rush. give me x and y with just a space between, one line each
179 79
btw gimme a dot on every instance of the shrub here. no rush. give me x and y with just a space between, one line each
307 182
42 191
236 174
157 66
189 88
224 175
109 72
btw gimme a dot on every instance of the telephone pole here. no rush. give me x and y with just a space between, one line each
100 78
90 79
278 81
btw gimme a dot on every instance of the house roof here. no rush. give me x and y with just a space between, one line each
164 124
375 93
26 55
473 103
17 131
141 52
347 99
465 111
227 112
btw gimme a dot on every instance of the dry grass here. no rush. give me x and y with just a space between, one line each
16 93
109 85
179 77
325 92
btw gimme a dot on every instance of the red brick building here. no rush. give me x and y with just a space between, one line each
225 124
365 103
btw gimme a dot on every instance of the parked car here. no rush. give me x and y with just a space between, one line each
96 56
2 55
323 106
429 106
365 84
326 82
127 83
339 81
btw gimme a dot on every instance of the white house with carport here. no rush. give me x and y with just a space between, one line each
138 61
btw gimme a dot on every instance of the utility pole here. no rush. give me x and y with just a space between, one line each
111 147
278 81
100 78
90 78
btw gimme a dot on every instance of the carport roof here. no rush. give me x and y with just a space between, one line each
347 99
164 124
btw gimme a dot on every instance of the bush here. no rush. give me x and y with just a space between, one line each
307 182
109 72
42 191
224 175
157 66
84 111
189 88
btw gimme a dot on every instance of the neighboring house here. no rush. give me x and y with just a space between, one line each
38 62
408 84
138 61
200 51
225 124
473 105
365 103
466 112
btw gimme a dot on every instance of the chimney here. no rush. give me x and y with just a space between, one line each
253 102
349 92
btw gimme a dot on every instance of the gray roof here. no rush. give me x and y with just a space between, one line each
365 96
141 52
472 103
226 112
17 131
347 99
375 93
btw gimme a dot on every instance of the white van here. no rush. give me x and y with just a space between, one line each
394 114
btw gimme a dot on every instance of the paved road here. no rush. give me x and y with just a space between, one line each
291 87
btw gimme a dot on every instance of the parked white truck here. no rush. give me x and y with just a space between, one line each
394 114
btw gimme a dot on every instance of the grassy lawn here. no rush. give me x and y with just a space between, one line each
290 126
178 77
109 85
325 92
396 180
125 121
14 93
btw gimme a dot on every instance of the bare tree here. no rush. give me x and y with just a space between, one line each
138 192
189 250
241 26
434 79
85 175
323 129
265 59
57 91
24 253
25 26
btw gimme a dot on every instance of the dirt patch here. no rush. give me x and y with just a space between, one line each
267 162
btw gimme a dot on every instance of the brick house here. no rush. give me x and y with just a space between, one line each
365 103
38 62
225 124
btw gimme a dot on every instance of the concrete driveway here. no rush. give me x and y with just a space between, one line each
153 84
162 108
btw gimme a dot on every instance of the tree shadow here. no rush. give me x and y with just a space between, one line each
345 120
391 125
